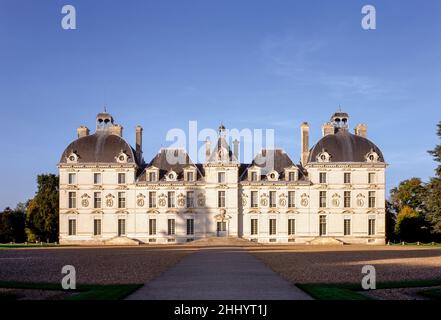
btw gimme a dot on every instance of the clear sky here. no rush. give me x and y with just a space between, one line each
247 63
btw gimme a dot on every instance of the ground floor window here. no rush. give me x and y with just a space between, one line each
371 227
272 227
322 226
190 226
254 228
97 227
347 227
222 226
291 227
72 227
171 227
152 227
121 227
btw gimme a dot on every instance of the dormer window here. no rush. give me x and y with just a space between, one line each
291 174
254 174
72 158
189 176
122 157
171 176
323 156
372 156
273 176
152 176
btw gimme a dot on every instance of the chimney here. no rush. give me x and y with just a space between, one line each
116 129
304 133
361 130
236 149
139 141
327 129
83 131
207 149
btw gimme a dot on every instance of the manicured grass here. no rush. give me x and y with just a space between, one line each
351 291
84 292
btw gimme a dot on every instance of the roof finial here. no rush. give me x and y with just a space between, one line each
339 107
105 109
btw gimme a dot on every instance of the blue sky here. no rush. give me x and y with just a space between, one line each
247 63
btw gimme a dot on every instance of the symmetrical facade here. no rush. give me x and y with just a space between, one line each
335 194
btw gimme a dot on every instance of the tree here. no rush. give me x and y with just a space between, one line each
433 199
436 153
12 225
42 210
410 193
410 225
391 217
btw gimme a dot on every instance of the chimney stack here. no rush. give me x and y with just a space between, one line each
116 129
361 130
236 149
83 131
138 131
207 149
327 129
304 132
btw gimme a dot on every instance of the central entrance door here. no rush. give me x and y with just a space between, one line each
221 228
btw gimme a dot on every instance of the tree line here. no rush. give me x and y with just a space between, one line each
413 212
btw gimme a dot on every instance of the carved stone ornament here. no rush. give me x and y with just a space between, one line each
304 200
140 201
201 200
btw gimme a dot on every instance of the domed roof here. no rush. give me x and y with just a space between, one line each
101 147
344 146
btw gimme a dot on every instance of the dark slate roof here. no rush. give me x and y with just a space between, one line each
344 146
101 147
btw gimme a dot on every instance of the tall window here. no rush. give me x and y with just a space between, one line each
291 199
371 226
72 227
292 176
347 227
97 200
190 176
190 199
371 199
322 177
171 199
221 199
254 227
322 226
72 200
254 199
152 199
152 176
371 177
272 227
347 199
97 227
190 227
322 199
221 177
121 178
121 227
152 227
97 178
272 199
121 200
72 178
347 177
291 227
253 176
171 224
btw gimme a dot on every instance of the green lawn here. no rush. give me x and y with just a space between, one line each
351 291
29 245
84 292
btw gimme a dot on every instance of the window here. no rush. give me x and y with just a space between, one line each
221 177
371 226
371 199
121 200
190 176
221 199
152 199
190 199
254 199
152 227
272 227
171 223
371 177
347 227
152 176
190 227
272 199
171 199
291 227
72 200
253 176
72 178
291 176
121 227
347 177
254 227
322 177
72 227
347 199
322 203
97 200
97 227
97 178
291 199
121 178
322 225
